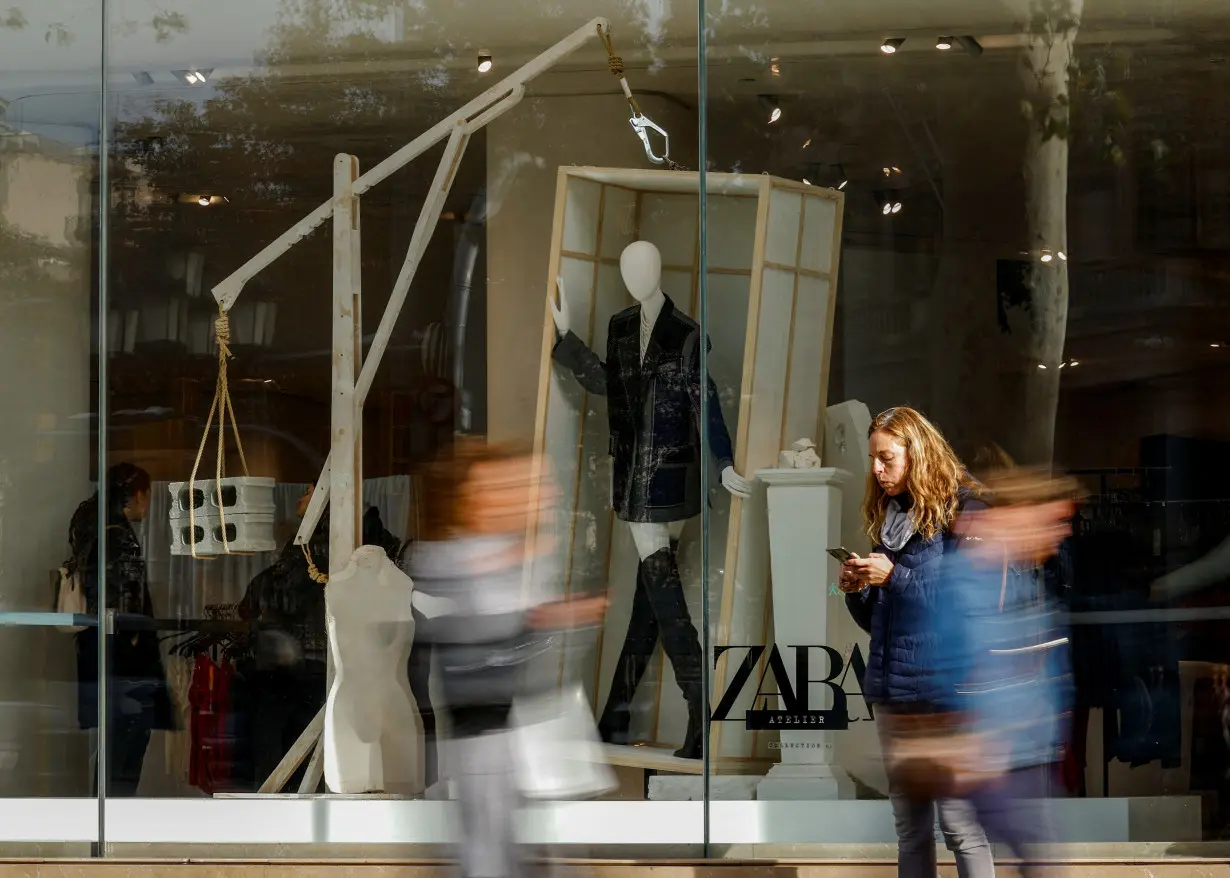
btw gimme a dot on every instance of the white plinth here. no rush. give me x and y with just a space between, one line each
804 521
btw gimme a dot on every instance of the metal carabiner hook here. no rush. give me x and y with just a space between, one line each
642 124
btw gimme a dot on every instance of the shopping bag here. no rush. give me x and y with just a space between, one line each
70 595
556 747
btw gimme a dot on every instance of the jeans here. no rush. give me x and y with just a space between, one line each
1014 813
128 735
962 835
915 823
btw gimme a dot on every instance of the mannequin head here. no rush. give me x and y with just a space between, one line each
641 266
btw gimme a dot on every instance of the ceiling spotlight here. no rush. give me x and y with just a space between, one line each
842 184
896 207
1214 345
1047 256
774 68
806 182
484 62
1042 366
1063 257
889 47
204 201
943 43
769 102
1074 363
887 208
971 46
194 77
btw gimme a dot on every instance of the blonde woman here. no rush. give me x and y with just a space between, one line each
916 489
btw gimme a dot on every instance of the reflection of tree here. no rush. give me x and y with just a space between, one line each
1046 72
165 21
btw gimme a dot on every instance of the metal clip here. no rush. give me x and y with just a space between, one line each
641 124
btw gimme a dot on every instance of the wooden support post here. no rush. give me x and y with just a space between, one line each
345 471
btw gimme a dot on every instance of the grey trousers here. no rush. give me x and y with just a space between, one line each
488 796
961 831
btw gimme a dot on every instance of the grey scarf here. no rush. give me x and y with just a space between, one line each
898 526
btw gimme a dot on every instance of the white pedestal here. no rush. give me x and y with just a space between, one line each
804 521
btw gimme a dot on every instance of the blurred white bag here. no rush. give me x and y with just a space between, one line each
556 747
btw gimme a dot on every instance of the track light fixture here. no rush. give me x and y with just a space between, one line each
890 204
972 47
485 62
194 77
943 43
890 46
770 103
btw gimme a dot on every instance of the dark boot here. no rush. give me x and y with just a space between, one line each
693 739
639 645
680 641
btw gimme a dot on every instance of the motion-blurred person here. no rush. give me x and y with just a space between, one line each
1008 652
916 488
486 626
138 699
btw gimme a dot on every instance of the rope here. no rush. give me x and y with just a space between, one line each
313 571
222 405
616 66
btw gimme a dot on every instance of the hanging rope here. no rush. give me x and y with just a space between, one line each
314 573
222 405
616 65
640 122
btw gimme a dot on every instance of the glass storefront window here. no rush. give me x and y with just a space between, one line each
691 297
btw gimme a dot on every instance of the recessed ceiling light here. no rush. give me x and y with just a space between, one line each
485 62
842 184
890 46
943 43
769 102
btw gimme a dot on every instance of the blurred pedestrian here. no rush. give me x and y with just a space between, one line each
1007 648
486 524
916 488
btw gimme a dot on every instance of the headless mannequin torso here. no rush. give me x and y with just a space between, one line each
370 740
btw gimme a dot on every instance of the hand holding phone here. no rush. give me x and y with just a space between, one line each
842 554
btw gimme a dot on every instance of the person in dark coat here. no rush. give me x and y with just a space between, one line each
138 698
916 488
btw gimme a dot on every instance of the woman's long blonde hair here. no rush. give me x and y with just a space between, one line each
933 475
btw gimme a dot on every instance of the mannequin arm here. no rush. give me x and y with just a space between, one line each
719 438
587 366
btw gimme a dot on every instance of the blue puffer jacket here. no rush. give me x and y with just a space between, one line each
904 662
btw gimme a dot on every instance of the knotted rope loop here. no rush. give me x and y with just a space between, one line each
223 406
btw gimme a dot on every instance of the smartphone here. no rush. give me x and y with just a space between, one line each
842 554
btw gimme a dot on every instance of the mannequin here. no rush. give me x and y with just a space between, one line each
372 730
651 377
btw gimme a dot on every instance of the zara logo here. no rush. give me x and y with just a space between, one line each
794 710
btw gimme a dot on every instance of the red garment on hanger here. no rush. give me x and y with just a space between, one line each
209 766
